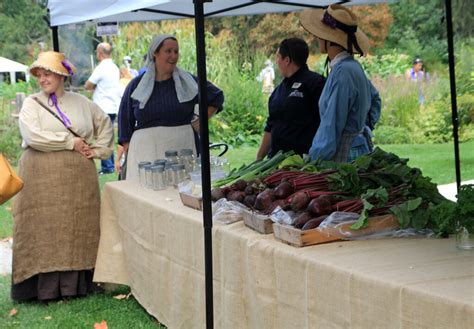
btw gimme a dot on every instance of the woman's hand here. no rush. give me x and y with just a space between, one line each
82 147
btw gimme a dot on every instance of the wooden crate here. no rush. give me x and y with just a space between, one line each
299 238
191 201
258 222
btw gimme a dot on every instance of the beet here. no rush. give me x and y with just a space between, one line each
236 196
226 190
249 200
302 219
299 201
217 193
314 222
284 190
276 203
239 185
249 190
320 206
264 199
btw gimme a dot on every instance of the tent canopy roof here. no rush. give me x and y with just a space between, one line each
7 65
67 12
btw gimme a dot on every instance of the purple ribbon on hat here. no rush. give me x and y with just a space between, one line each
66 122
329 20
68 67
333 23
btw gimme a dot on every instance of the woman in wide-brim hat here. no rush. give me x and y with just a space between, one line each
349 105
56 215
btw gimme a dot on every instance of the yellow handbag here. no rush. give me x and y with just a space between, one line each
10 183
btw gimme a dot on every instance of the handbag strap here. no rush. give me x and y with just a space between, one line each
56 116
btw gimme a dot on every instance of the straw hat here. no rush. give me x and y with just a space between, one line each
337 24
54 62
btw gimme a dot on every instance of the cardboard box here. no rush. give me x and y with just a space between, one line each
191 201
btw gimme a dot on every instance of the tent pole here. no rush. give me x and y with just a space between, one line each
54 32
205 164
452 80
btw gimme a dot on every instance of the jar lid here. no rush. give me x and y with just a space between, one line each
159 162
169 164
171 153
142 163
147 167
177 167
186 152
157 168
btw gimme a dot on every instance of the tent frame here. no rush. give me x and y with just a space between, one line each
199 18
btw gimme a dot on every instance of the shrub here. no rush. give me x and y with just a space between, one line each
391 135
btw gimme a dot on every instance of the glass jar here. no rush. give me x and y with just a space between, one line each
179 174
159 162
158 173
186 157
141 172
148 176
169 173
465 237
171 156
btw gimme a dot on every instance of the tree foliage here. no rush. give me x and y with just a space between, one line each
22 28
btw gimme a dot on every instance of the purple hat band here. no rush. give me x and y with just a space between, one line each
68 67
350 30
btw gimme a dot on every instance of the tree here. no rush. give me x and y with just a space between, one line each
22 28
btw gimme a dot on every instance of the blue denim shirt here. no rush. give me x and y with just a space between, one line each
349 103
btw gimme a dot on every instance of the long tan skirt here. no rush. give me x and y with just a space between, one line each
56 215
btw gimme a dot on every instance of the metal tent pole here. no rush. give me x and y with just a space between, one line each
54 31
205 164
452 80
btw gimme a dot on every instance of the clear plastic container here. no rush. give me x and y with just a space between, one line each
186 157
171 156
178 174
148 176
141 172
159 178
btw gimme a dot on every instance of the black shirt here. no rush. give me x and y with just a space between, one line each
294 112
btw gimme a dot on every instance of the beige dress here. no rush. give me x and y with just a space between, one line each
56 215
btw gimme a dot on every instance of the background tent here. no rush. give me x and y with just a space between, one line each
9 66
66 12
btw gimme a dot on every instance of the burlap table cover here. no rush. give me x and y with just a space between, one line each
153 243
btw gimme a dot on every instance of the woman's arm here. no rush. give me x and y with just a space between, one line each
264 145
103 132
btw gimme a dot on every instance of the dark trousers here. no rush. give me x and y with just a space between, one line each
108 165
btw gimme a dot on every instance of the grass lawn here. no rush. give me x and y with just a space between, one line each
436 161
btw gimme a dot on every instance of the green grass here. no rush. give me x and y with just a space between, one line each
74 313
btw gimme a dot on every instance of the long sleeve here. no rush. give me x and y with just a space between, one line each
103 143
334 110
39 137
375 107
126 115
215 96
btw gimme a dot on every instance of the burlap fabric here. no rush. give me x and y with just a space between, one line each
56 215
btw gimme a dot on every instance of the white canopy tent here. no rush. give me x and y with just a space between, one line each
12 67
74 11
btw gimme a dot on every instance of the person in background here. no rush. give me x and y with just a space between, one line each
105 83
56 215
157 108
349 105
125 76
127 61
266 77
293 112
417 74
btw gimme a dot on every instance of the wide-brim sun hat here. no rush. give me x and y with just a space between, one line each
53 61
336 24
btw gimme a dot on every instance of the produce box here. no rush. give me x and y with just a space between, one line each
258 222
191 201
299 238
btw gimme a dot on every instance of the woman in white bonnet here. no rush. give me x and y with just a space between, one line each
349 105
157 108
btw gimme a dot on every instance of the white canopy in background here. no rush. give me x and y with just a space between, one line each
67 12
9 66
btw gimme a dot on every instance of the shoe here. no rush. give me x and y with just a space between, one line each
103 172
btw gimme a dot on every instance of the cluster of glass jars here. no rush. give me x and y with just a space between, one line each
171 171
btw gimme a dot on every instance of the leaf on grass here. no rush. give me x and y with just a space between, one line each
102 325
13 312
123 296
48 317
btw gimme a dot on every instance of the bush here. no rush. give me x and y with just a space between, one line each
391 135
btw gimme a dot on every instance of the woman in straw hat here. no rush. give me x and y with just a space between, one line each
56 215
157 109
349 105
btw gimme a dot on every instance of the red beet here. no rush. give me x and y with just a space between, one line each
249 200
239 185
264 199
299 201
314 222
284 190
249 190
320 206
236 196
302 219
217 193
